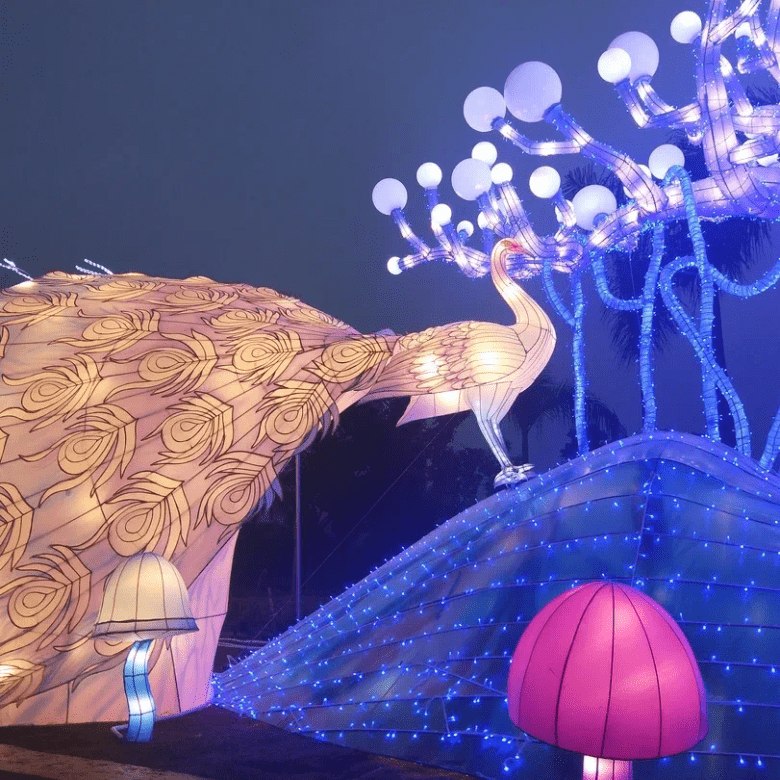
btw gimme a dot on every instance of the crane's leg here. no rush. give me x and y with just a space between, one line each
489 404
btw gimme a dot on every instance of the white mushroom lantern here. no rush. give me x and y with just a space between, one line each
145 598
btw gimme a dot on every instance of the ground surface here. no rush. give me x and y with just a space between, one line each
210 743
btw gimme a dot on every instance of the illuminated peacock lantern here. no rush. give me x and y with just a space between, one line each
146 415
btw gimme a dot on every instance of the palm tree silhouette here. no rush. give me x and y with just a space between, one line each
547 400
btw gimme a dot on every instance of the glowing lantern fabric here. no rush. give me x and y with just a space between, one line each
144 415
140 414
604 670
145 598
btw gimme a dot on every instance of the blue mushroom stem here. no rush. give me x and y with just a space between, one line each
140 701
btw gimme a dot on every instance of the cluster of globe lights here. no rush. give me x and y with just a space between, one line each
740 145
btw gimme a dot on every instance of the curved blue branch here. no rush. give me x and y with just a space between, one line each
578 351
649 409
621 304
560 307
704 350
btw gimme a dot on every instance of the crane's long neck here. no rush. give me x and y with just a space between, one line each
526 310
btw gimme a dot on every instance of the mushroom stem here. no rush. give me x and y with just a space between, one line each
606 769
140 702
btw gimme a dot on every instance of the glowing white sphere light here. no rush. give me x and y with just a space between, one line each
441 214
466 227
501 173
685 27
393 265
614 65
485 151
591 201
545 182
388 195
471 178
429 175
642 50
664 157
743 31
531 89
482 106
482 220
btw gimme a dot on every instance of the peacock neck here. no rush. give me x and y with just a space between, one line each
523 306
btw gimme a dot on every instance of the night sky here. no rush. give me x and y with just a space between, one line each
241 140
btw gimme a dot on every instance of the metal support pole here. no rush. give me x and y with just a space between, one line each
297 562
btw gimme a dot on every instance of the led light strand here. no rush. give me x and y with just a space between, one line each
646 330
578 353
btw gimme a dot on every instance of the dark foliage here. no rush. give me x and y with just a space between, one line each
548 399
368 491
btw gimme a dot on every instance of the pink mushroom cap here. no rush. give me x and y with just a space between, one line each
605 671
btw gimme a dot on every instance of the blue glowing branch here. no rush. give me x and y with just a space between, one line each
602 285
707 312
517 220
647 109
772 446
766 282
560 307
488 240
140 703
720 31
754 51
544 148
735 89
574 319
639 185
646 304
495 218
646 330
578 354
705 355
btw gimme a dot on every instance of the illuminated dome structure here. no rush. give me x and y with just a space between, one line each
413 660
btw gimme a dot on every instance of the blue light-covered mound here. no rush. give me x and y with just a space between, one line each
412 661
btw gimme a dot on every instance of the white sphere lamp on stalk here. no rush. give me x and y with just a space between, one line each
590 202
642 51
531 90
482 107
471 178
545 182
388 195
686 27
429 175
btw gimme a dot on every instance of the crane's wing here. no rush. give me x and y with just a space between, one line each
449 358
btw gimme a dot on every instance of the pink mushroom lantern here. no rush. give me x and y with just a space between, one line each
604 670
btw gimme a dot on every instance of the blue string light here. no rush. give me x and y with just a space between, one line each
412 661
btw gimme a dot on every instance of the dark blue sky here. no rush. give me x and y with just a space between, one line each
241 140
